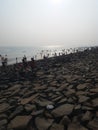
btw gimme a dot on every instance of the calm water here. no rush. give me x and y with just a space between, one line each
19 52
36 52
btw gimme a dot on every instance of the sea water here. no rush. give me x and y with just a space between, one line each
37 52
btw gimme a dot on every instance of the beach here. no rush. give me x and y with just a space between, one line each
58 93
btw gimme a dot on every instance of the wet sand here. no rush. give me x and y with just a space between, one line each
61 93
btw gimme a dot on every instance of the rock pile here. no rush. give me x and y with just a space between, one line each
63 97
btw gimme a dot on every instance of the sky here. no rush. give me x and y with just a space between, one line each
48 22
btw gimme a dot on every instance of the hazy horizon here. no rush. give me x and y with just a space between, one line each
69 23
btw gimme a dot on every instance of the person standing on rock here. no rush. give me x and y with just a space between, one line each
24 61
3 62
6 60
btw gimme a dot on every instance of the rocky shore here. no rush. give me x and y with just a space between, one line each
60 94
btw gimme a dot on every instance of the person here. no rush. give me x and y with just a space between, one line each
2 60
16 60
24 61
32 64
6 60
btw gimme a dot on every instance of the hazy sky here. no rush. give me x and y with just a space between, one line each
49 22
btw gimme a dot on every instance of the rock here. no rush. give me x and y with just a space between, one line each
70 92
19 122
40 88
76 126
65 120
14 87
12 102
62 110
71 78
4 107
29 107
27 100
40 73
3 128
17 111
83 99
63 100
49 107
42 123
95 90
15 92
87 108
63 86
57 127
36 113
3 116
95 102
3 122
43 103
87 116
93 124
78 107
80 92
48 114
97 114
70 100
57 98
83 86
2 87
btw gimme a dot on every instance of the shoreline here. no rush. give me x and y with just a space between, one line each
59 93
39 54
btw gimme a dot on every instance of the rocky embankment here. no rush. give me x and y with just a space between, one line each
63 95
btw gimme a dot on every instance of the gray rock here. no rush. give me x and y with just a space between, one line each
78 107
17 111
65 120
76 126
83 86
48 114
70 92
27 100
29 107
63 100
87 116
3 128
93 124
3 116
62 110
19 122
36 113
95 102
83 99
3 122
95 90
42 123
57 98
57 127
43 103
4 107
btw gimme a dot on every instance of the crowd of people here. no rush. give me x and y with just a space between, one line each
26 69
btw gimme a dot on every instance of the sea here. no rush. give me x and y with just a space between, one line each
36 52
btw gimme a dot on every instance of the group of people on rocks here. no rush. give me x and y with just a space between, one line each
26 65
4 60
19 68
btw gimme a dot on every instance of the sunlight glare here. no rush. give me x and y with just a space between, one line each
56 1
